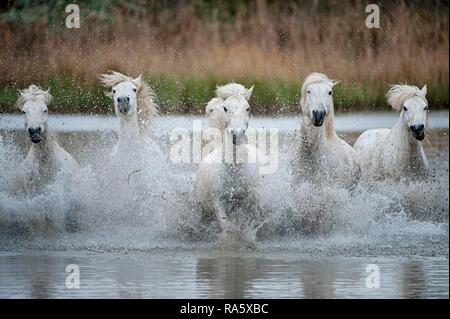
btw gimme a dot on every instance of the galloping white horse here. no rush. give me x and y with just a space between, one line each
46 159
134 104
394 152
227 188
321 153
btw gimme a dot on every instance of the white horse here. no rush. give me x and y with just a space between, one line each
46 159
226 188
321 154
216 125
134 104
397 151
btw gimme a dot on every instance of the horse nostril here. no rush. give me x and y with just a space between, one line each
34 130
318 114
417 128
123 99
318 117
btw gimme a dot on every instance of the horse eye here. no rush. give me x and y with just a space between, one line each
331 92
426 108
405 109
114 91
134 90
248 109
23 112
308 91
45 111
225 109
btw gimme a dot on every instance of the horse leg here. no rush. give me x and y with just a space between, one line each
221 214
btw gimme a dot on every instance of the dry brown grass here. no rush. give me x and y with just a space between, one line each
264 42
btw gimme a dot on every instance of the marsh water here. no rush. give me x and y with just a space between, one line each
139 237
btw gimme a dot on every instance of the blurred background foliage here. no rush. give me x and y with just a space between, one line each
186 48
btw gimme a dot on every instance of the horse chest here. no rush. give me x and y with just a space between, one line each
235 186
44 174
401 161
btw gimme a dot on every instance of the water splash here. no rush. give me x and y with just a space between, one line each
139 200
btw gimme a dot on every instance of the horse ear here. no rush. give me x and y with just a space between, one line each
248 93
49 97
138 80
334 82
424 90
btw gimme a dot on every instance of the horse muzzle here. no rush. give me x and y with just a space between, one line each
123 108
418 131
123 104
238 136
35 134
318 117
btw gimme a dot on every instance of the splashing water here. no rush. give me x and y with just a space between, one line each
139 200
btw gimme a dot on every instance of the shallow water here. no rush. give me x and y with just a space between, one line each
200 275
138 233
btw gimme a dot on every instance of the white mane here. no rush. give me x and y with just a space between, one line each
225 91
33 93
313 78
114 78
399 93
147 107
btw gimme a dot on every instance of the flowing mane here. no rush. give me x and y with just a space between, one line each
399 93
225 91
147 107
33 93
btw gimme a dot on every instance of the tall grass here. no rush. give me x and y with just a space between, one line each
185 48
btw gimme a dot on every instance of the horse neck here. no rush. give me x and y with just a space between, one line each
233 167
129 127
407 147
221 128
44 152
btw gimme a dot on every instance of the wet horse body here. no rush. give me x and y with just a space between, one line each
226 185
135 107
46 160
397 151
321 155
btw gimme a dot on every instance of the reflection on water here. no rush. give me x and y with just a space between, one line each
24 275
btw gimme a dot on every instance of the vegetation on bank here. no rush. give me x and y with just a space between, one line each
186 48
189 96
